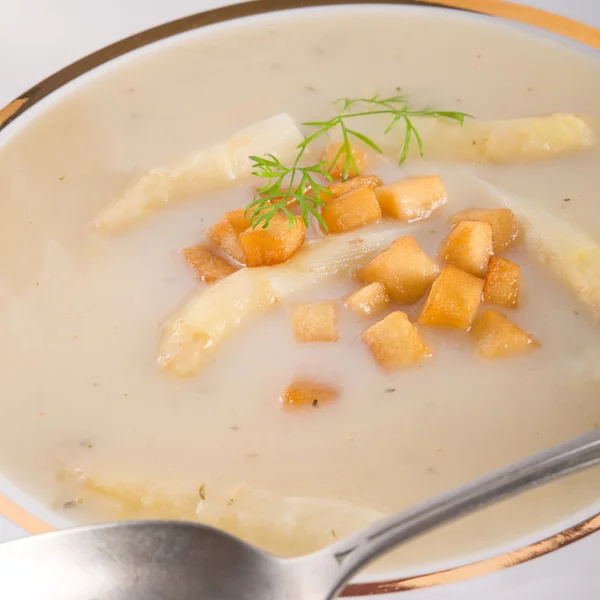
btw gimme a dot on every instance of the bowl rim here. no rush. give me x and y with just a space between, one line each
511 11
518 13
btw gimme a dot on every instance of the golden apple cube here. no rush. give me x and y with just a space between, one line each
413 198
273 244
307 393
208 266
354 183
336 167
502 283
453 300
395 342
469 247
315 322
497 337
503 221
368 300
404 269
226 234
352 210
238 220
335 190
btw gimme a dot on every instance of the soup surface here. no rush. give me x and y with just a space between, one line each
90 423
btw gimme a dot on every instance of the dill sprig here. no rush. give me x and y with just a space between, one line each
398 108
286 184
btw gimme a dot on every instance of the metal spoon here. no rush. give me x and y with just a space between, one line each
164 560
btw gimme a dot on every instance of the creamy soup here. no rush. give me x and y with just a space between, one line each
92 426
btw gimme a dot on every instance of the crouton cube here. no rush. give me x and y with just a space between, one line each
307 393
335 190
352 210
290 203
238 220
469 247
226 234
273 244
503 221
411 199
343 187
502 283
497 337
453 300
369 300
335 166
395 342
315 322
208 266
404 269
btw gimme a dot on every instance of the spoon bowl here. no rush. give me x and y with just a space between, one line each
144 559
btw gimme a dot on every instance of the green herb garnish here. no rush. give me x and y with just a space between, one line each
400 111
302 183
284 185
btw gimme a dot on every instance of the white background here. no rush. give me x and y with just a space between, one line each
38 37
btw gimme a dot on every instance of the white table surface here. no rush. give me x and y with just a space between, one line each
38 37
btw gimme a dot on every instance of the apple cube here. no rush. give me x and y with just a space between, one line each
315 322
368 300
307 393
238 220
453 300
226 234
404 269
343 187
273 244
352 210
503 221
497 337
395 342
411 199
502 283
469 247
336 166
208 266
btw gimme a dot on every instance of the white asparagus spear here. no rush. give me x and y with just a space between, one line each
502 141
272 521
215 313
276 523
213 168
568 251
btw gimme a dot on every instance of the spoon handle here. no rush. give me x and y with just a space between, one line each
355 551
